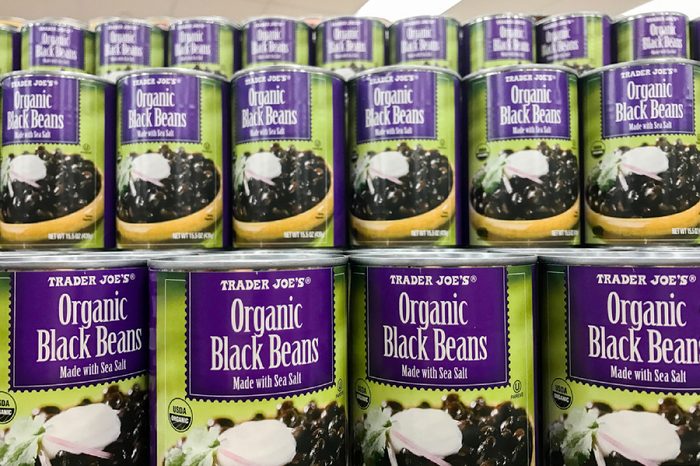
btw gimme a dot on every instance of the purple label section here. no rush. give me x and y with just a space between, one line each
563 39
77 327
421 39
396 105
347 39
254 335
125 43
634 328
660 36
271 40
160 107
509 38
695 34
57 45
273 105
442 327
648 99
194 42
528 105
41 110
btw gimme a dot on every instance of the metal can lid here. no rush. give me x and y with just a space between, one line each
236 260
438 258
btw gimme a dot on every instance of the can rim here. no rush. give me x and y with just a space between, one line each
403 67
65 21
645 61
285 67
233 260
481 19
221 20
435 258
173 70
56 73
576 14
410 18
521 67
123 19
623 19
253 19
384 22
632 257
70 261
8 27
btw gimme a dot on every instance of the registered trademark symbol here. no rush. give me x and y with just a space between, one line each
307 280
692 279
132 276
472 279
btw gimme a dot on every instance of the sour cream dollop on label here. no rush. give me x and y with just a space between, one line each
430 430
93 426
527 164
151 167
648 161
263 166
262 443
28 169
389 165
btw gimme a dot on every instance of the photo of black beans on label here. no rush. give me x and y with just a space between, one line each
407 187
539 185
287 189
52 190
110 432
179 190
645 191
671 436
456 434
299 436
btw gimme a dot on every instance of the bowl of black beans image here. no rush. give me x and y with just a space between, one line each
167 193
644 192
48 192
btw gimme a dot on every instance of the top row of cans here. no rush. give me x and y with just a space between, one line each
346 44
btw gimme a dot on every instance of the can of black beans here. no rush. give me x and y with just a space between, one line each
9 49
622 357
582 41
695 39
206 43
442 365
57 183
124 44
73 386
425 40
58 44
260 369
276 39
652 35
173 159
405 157
289 158
641 165
499 40
348 44
523 160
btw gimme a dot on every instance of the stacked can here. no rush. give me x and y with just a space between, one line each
205 43
275 40
349 44
425 40
652 35
58 44
9 48
498 40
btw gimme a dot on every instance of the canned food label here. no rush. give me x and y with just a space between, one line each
437 327
648 99
271 40
195 42
660 36
161 107
57 45
71 328
253 335
634 328
123 43
9 50
422 39
348 39
273 106
396 106
529 104
508 38
41 110
564 39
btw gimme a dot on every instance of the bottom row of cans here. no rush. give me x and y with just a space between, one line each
564 357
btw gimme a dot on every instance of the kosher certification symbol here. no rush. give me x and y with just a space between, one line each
180 415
